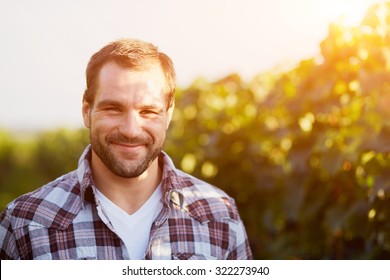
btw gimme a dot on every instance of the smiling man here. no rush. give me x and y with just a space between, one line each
126 200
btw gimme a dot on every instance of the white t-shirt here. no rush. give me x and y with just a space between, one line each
133 229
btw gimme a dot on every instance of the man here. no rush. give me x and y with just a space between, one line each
126 200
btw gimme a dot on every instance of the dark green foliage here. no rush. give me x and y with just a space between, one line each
305 153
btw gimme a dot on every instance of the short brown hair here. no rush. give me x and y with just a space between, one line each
131 54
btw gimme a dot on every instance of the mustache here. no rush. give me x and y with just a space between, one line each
122 139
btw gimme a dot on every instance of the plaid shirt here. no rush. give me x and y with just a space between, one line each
64 220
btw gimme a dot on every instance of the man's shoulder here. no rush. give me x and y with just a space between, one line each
48 205
206 202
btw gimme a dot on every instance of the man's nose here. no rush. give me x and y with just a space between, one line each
130 125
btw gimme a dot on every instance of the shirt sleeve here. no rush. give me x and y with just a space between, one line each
242 250
8 249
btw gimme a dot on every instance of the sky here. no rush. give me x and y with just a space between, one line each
45 45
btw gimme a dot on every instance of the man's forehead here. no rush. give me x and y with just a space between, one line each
111 71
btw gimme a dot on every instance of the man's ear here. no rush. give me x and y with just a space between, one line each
170 114
86 109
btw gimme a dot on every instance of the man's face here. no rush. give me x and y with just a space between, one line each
128 119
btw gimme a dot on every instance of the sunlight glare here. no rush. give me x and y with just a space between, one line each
347 12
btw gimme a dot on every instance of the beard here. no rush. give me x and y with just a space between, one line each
122 167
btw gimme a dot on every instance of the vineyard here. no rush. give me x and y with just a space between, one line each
304 152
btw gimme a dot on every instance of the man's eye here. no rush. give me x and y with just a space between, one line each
112 109
147 112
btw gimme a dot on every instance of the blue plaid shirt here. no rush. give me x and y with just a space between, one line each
64 220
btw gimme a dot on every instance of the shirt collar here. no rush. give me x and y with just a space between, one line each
84 175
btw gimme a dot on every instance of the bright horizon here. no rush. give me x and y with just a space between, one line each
47 44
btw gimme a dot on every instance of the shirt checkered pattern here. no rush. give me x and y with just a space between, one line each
64 220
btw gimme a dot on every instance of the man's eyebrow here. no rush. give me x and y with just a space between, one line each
108 102
151 107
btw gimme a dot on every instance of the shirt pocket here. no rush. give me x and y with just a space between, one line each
86 253
191 256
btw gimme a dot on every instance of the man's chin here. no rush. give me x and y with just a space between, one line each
131 169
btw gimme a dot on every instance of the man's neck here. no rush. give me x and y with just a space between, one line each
127 193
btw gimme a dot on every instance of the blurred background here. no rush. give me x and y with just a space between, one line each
284 104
